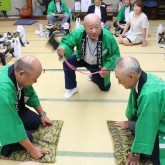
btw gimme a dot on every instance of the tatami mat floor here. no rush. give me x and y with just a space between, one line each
85 138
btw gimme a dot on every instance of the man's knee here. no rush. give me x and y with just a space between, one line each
105 88
36 122
33 122
66 16
49 16
29 135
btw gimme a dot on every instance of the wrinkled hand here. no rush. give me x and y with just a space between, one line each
37 153
122 124
60 15
132 160
46 121
104 72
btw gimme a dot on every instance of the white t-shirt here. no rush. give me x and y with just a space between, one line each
137 23
58 7
98 11
91 51
127 11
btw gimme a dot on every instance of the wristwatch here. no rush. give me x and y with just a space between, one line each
136 154
42 114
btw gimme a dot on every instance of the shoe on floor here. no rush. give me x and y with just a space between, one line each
63 31
70 92
49 26
89 78
3 49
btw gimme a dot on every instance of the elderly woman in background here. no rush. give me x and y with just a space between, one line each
138 23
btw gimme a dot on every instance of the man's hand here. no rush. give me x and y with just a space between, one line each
104 72
122 124
60 52
132 160
46 121
37 153
60 15
34 152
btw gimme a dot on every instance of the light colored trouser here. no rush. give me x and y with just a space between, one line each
52 19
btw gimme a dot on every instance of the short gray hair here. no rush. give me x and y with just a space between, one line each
128 64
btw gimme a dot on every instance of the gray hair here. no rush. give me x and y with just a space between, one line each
22 65
128 64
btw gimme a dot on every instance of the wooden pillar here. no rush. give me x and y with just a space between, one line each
29 3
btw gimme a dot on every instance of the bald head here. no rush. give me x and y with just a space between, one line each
91 19
27 70
92 25
28 64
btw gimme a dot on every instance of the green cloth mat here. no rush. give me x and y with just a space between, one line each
45 138
122 143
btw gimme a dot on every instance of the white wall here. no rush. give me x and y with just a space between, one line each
18 4
22 3
70 3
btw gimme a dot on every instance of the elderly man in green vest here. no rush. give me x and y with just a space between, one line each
122 16
16 119
145 111
96 49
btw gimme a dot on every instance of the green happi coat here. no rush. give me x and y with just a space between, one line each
11 127
52 8
150 116
75 43
121 13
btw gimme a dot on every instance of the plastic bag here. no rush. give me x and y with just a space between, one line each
17 48
22 37
160 31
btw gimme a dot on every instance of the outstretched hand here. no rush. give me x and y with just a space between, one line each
132 160
104 72
122 124
46 121
60 52
37 153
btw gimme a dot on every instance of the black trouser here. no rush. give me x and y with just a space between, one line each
121 22
31 121
70 76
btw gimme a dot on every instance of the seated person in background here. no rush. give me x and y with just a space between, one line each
57 11
146 106
100 11
96 49
137 24
122 17
17 120
149 3
150 8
